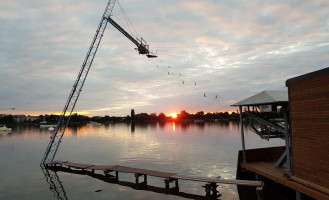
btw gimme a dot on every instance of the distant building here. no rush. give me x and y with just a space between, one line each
19 118
132 114
32 118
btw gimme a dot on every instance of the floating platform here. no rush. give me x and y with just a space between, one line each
210 186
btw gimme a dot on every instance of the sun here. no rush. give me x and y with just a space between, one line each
174 115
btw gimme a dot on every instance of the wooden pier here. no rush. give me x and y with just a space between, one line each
112 172
262 162
300 168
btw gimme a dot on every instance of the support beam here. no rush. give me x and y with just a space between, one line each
299 196
287 138
242 137
167 183
282 160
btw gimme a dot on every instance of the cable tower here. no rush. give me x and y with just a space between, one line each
64 119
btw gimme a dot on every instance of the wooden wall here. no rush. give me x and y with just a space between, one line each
309 112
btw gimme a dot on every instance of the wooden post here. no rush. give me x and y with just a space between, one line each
287 138
260 192
242 137
207 189
136 178
214 189
145 178
167 181
299 196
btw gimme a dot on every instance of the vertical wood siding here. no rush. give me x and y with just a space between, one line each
309 106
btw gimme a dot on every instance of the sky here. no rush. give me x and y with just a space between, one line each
206 49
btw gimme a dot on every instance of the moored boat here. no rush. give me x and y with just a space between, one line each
4 128
44 124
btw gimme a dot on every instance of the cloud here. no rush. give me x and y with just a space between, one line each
231 48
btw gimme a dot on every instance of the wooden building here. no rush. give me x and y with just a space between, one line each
301 167
309 112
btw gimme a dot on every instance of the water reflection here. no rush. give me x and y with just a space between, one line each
55 185
205 149
132 127
182 126
173 126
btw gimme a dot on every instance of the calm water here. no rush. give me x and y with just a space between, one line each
198 149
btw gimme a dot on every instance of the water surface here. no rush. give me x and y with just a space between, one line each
197 149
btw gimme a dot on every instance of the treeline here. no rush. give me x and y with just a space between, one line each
7 119
185 116
140 117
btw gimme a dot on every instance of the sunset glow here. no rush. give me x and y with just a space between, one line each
198 77
173 115
78 113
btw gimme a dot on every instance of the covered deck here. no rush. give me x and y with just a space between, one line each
277 166
261 163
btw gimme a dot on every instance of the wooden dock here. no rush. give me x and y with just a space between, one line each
262 162
112 172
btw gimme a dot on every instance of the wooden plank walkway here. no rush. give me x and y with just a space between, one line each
268 170
142 171
262 162
220 180
210 186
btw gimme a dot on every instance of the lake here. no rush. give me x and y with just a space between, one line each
207 149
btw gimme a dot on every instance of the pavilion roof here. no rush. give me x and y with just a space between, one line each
263 98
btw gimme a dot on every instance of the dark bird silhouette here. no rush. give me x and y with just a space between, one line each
194 83
216 96
204 94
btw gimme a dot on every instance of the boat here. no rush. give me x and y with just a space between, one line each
4 128
91 123
44 124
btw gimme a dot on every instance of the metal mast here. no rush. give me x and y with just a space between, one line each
142 48
77 87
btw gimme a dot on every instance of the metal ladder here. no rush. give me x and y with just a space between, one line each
57 136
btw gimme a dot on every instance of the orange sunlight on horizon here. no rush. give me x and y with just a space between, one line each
37 114
79 113
172 115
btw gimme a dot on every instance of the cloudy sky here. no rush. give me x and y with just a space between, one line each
233 49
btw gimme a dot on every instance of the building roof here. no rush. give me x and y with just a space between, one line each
263 98
309 75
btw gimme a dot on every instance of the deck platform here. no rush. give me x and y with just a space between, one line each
219 180
257 164
210 186
77 165
100 167
124 169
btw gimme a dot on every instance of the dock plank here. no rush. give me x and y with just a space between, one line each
219 180
57 162
269 171
101 167
124 169
77 165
